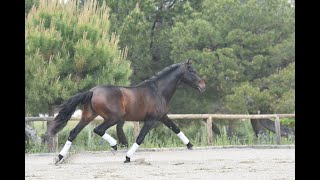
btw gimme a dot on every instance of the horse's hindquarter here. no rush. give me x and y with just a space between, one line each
107 102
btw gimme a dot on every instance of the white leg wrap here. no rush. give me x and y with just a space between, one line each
183 138
133 149
65 148
110 139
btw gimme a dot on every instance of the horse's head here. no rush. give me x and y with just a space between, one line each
191 77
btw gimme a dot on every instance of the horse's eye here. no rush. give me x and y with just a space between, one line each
194 78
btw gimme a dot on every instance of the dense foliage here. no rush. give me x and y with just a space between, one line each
245 50
70 49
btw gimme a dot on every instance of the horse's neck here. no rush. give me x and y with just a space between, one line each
167 85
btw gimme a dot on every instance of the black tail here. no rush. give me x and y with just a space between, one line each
66 111
269 124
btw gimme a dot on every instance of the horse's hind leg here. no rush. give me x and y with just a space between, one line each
101 131
166 121
87 116
120 133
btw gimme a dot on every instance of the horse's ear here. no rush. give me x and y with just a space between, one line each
188 62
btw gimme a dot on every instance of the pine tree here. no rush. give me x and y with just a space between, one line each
68 49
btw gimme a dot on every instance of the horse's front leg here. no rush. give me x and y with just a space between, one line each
166 121
148 124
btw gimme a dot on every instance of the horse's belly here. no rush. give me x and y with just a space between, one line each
138 116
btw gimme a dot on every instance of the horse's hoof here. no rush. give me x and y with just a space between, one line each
127 160
57 159
189 146
114 147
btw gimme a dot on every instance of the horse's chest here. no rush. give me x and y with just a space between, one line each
158 109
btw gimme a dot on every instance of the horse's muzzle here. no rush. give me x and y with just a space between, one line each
202 86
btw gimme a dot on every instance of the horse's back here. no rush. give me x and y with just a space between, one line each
126 103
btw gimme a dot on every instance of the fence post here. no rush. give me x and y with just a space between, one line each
136 129
209 130
55 143
278 130
52 141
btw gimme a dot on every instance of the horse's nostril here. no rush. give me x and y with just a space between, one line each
202 84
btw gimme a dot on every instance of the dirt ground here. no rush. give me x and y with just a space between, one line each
277 162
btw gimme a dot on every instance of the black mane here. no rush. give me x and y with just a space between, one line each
161 73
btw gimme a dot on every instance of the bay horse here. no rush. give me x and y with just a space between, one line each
147 102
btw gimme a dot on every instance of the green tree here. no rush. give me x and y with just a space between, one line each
129 20
235 42
69 49
28 5
239 47
144 27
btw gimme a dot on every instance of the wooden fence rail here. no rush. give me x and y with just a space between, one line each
208 117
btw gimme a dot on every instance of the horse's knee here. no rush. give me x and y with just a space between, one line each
72 135
140 138
98 131
175 129
172 126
